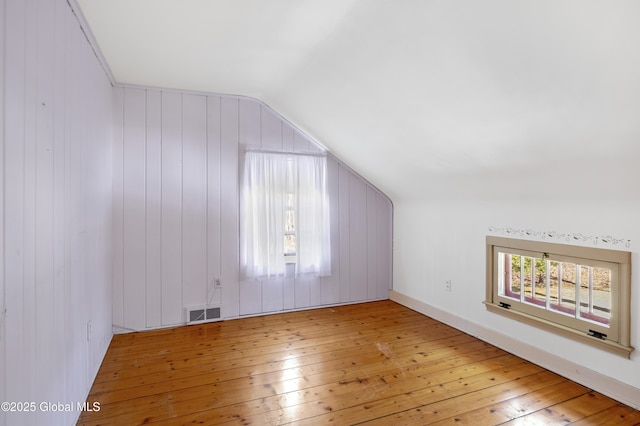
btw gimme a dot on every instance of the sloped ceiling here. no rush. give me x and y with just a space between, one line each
422 97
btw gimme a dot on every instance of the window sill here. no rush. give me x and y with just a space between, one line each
607 345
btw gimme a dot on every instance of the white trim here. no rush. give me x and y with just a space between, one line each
608 386
86 29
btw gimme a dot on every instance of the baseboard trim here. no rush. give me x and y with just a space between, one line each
608 386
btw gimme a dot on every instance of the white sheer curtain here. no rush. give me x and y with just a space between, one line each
264 195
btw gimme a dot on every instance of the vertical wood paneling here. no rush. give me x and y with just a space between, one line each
271 129
58 351
29 168
197 166
153 209
330 286
2 207
315 291
171 208
2 252
372 244
14 45
70 339
229 121
271 291
289 290
384 246
345 251
214 183
250 300
44 262
98 172
117 209
249 123
134 215
302 295
272 296
358 237
287 138
300 142
194 199
76 119
271 139
56 204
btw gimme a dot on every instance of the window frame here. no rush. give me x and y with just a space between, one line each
618 331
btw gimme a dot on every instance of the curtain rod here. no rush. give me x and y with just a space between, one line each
308 154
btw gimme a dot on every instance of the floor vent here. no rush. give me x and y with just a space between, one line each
198 314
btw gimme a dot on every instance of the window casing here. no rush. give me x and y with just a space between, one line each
580 292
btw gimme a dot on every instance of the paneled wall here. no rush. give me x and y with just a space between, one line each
2 254
176 223
55 267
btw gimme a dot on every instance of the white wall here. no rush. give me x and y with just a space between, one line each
56 184
443 238
176 157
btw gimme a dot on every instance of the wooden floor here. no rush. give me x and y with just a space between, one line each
376 363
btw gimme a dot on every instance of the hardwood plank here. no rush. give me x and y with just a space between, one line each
376 362
237 366
296 405
264 342
235 335
518 406
371 406
618 415
567 412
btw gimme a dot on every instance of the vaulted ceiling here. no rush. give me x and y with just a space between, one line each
414 94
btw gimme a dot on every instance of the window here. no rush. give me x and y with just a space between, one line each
290 215
290 230
284 215
580 292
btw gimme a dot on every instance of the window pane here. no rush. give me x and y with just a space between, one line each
289 245
585 295
602 291
509 285
290 224
566 288
595 294
526 276
540 276
553 282
530 275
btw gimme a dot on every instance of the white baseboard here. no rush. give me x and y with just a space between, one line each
613 388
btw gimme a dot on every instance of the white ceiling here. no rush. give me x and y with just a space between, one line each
414 94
